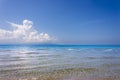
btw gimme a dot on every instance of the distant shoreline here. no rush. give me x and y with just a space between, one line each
63 45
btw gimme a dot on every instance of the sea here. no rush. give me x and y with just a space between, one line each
59 62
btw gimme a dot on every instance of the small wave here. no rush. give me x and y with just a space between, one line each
70 49
74 49
108 50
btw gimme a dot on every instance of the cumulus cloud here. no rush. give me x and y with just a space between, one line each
24 33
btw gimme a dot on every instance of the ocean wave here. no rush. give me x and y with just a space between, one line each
108 50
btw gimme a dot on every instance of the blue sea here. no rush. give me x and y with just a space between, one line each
59 62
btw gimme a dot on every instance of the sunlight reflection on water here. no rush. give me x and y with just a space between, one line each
28 60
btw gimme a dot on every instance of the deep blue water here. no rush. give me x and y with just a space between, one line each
54 57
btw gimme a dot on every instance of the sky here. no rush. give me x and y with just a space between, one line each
60 21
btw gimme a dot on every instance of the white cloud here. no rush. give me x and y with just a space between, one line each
24 33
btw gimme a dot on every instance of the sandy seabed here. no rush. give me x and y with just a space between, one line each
63 74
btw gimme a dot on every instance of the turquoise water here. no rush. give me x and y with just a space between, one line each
25 59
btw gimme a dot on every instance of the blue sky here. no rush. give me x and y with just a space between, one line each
69 21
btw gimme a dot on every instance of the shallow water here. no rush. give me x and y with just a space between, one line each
59 62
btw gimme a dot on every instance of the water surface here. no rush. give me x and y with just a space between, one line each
59 62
